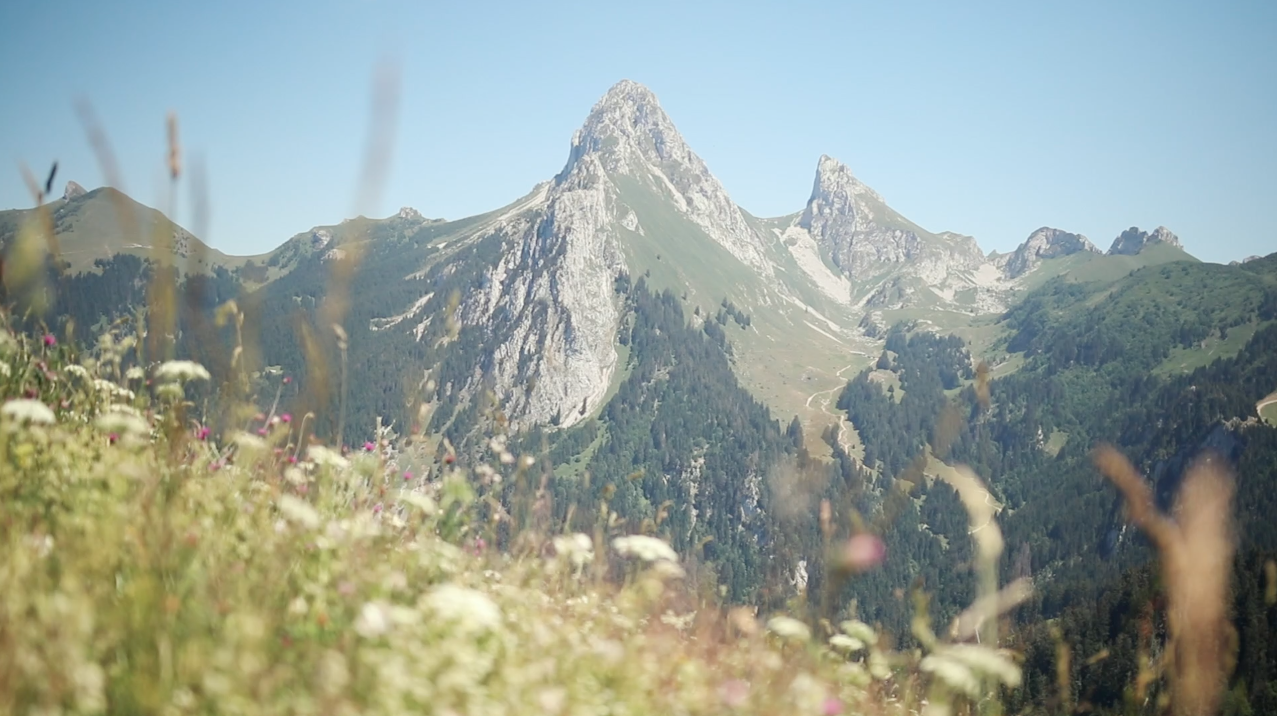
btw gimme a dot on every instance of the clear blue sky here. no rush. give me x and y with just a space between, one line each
990 119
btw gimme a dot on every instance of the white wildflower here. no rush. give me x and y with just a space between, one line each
77 370
985 660
373 621
25 410
857 629
181 371
247 441
668 570
846 644
122 423
471 612
106 387
5 370
421 502
789 628
577 549
134 373
321 455
648 549
299 511
953 673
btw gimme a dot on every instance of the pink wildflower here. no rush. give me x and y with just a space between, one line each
261 431
286 417
49 340
407 475
369 447
863 552
202 433
734 692
288 379
833 706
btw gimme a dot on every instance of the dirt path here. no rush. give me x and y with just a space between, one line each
1259 407
826 398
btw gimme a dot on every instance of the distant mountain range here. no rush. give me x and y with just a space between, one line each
633 198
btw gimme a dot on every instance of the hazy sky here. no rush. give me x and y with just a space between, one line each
989 119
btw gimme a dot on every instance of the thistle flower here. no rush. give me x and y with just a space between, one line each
49 340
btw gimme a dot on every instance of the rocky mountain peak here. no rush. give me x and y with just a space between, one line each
410 214
1132 241
1045 243
835 184
73 191
627 127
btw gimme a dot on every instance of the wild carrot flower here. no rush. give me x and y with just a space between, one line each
28 411
648 549
789 628
181 371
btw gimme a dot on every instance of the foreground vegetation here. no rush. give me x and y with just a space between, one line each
149 567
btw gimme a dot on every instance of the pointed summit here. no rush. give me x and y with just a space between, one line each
835 182
627 127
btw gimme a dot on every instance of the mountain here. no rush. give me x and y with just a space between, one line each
536 278
1045 243
1133 241
104 223
627 321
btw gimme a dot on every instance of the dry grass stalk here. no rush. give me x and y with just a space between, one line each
1196 549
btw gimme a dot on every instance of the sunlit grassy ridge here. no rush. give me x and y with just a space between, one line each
147 566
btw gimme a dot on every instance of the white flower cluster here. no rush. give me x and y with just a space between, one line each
789 628
25 410
647 549
181 371
575 549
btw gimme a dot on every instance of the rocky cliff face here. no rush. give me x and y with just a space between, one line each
846 218
630 135
889 261
1132 241
1045 243
73 191
564 253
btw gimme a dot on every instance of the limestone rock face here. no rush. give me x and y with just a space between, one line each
1132 241
73 191
1045 243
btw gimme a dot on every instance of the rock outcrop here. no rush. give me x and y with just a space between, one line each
1045 243
73 191
1132 241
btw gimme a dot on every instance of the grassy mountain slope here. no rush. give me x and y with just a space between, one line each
105 222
